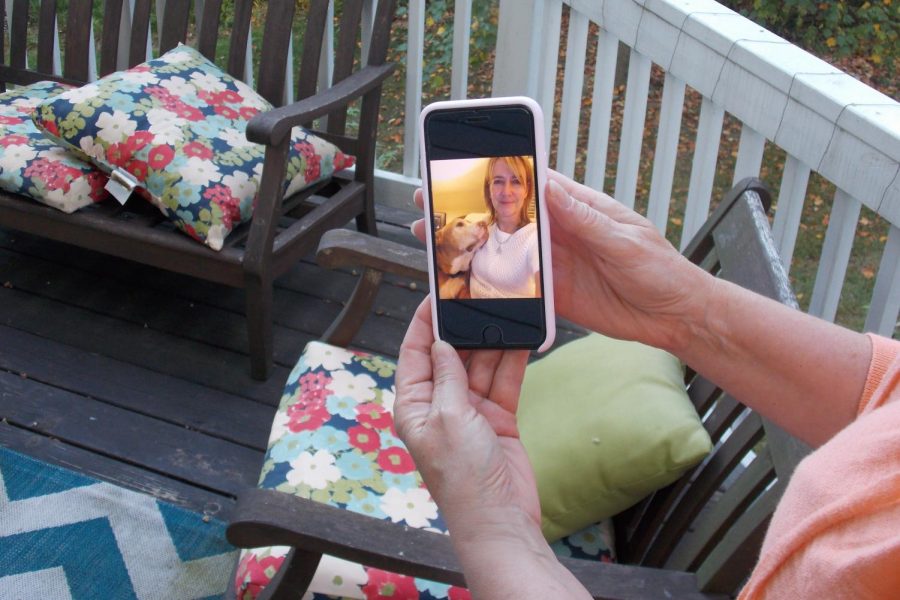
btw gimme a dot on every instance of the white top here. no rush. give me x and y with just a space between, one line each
505 266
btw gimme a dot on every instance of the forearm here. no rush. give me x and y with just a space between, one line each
801 372
504 555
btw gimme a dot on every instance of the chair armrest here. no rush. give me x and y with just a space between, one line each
344 248
270 518
272 126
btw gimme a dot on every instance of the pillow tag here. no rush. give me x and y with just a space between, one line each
120 185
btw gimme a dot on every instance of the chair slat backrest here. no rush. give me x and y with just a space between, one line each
140 32
174 25
46 36
78 40
276 42
18 31
712 520
109 37
208 36
240 38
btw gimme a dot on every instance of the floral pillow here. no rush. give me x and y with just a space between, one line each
33 165
175 126
333 440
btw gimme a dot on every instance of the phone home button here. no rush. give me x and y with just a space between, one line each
491 334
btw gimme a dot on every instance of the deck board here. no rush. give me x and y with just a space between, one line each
141 376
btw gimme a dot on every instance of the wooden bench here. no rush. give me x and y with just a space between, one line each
282 230
697 538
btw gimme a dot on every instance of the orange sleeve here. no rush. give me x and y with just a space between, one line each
884 352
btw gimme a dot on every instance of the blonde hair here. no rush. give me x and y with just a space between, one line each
521 166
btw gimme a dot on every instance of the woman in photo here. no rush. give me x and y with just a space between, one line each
508 264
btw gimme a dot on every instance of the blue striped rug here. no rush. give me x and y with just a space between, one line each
66 536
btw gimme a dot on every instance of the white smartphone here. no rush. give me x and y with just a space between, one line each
484 171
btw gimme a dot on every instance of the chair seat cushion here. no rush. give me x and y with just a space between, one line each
333 440
34 165
176 125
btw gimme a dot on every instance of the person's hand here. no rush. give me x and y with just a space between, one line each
456 414
613 272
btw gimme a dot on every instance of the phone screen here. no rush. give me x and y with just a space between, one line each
484 194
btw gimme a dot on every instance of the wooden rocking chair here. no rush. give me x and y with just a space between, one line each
697 538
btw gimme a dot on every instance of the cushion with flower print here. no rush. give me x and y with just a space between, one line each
36 166
333 440
176 127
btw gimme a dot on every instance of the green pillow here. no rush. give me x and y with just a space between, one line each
605 422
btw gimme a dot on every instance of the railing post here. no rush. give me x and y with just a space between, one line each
515 71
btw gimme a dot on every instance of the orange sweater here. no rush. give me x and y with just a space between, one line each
836 532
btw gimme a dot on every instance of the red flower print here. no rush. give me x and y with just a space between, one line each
313 168
227 112
118 154
395 460
389 586
248 112
230 206
7 120
138 168
50 127
309 419
458 593
209 97
343 161
54 175
230 96
374 415
367 440
188 112
138 140
160 156
97 181
313 386
197 149
254 573
13 139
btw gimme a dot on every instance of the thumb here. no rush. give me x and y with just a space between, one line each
451 382
578 219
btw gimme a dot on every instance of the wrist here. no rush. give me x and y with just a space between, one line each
691 324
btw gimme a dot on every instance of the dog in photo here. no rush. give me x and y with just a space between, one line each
455 245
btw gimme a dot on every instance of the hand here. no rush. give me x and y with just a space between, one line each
456 414
613 272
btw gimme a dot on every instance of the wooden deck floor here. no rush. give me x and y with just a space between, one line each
140 376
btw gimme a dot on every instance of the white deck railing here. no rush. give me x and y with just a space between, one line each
825 121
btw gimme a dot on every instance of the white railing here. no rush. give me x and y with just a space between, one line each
825 121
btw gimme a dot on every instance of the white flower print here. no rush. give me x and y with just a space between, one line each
199 171
205 81
359 387
240 184
78 195
330 358
139 77
115 127
175 56
414 506
15 157
251 98
279 427
387 399
93 150
235 138
315 470
55 154
165 126
79 95
179 86
339 578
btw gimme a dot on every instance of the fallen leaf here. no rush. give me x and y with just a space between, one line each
867 272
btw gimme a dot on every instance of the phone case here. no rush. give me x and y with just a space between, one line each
540 153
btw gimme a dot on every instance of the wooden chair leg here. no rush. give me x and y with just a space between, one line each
341 331
365 221
294 576
259 326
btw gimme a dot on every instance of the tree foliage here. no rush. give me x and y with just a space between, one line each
841 28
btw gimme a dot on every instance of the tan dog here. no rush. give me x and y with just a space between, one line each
455 245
